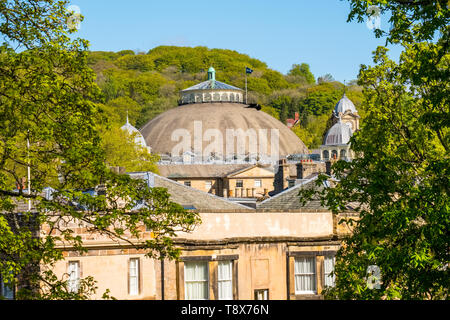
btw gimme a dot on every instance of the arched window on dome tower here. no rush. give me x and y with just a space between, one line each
207 97
216 96
326 155
198 97
191 98
334 154
343 154
231 97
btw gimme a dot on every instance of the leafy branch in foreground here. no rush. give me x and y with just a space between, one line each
50 123
400 180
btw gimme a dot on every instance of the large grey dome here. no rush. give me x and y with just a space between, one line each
218 109
222 116
344 105
339 134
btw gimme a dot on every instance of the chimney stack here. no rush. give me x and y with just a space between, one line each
328 165
281 176
306 168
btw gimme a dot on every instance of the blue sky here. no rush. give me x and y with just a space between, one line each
279 33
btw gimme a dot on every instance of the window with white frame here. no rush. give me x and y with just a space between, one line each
225 280
258 183
6 290
328 265
133 275
305 275
74 276
196 280
239 183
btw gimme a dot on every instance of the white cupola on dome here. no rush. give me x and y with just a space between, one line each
336 144
339 134
138 138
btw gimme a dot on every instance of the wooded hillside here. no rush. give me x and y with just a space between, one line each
147 84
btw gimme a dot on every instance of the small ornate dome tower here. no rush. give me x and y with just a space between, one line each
348 113
345 119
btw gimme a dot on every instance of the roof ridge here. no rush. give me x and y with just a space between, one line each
250 166
190 188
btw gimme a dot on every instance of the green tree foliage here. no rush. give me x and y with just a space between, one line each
401 179
48 97
311 130
282 103
258 85
122 151
118 108
275 80
141 62
271 111
302 73
325 78
322 98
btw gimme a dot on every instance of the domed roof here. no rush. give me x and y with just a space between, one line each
338 134
158 131
138 138
345 104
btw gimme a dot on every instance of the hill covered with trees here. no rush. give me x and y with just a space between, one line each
147 84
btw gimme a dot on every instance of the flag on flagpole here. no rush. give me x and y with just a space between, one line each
247 71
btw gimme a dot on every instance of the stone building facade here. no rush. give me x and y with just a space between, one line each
224 180
280 250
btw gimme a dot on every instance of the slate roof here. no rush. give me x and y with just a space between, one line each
188 197
289 199
211 84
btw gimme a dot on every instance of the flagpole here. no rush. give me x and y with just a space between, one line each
245 86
